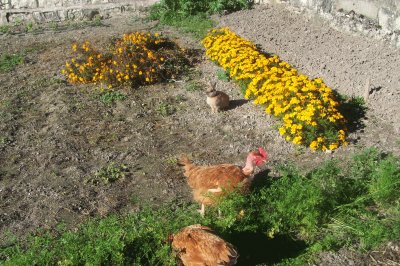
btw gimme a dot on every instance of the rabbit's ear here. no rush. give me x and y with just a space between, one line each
213 84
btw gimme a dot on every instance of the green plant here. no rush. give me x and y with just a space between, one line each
96 22
110 173
47 82
223 75
8 62
192 7
4 141
54 26
110 97
166 109
4 29
188 15
353 109
330 207
171 160
230 5
140 238
307 107
194 85
29 27
197 25
137 58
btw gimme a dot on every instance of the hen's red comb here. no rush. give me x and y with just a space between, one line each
263 152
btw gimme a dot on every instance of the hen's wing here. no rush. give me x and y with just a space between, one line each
225 176
198 245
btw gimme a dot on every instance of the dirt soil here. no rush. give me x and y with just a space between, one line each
55 136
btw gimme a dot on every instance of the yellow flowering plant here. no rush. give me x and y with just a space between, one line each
136 58
307 108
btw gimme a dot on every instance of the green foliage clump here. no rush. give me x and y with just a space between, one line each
138 239
110 173
192 15
330 207
193 7
8 62
223 75
110 97
137 58
166 109
194 85
4 29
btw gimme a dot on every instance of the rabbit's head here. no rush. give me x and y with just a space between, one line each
211 91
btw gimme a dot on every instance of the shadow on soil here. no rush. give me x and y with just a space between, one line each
233 104
353 109
256 248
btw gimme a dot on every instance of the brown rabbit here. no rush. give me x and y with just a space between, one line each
217 100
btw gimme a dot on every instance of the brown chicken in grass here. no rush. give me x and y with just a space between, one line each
211 182
197 245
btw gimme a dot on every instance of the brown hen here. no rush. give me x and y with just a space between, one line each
211 182
197 245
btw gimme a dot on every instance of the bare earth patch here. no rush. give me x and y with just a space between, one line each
54 136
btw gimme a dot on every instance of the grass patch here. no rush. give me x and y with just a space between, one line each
166 109
5 29
355 205
110 173
223 75
193 16
194 85
8 62
111 97
197 25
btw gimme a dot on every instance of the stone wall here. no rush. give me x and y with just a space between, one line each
385 13
58 10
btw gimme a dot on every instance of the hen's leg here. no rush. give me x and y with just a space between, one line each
215 190
202 210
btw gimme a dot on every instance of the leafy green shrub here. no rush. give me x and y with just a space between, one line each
385 182
192 15
328 207
4 29
110 97
230 5
137 239
194 85
137 58
193 7
8 62
166 109
223 75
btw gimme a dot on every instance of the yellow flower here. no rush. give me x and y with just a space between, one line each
314 145
297 140
333 146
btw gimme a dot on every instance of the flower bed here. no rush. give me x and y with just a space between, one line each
137 58
307 108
